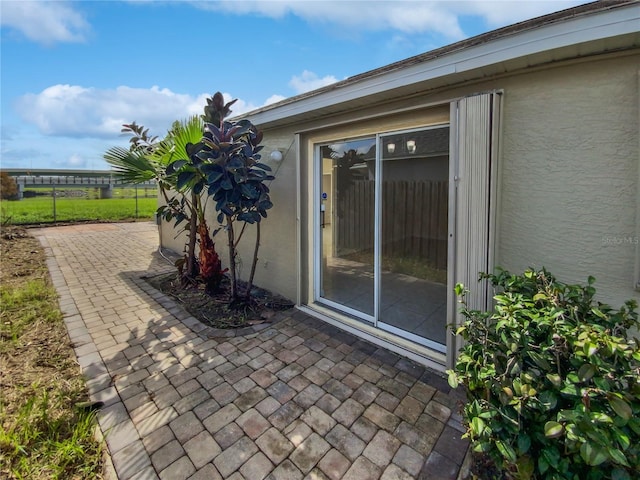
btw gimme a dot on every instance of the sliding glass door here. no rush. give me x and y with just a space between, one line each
346 217
413 226
382 223
399 219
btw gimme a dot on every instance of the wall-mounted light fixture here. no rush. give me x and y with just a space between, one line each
391 147
276 156
411 146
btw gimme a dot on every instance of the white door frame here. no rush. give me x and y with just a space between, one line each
457 253
374 319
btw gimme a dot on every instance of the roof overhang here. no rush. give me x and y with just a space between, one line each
573 33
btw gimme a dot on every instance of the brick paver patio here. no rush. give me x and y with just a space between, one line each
294 399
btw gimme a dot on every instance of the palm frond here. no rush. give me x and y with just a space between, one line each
133 167
173 147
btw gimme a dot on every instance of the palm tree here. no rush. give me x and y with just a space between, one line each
148 158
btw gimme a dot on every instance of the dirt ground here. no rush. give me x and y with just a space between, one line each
215 310
42 356
21 256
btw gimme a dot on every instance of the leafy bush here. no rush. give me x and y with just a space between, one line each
552 379
8 187
204 157
225 164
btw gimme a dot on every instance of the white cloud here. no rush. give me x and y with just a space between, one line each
238 108
440 17
45 22
20 157
72 110
76 111
274 99
405 16
498 13
74 161
308 81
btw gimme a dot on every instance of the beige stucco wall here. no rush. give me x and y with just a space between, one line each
173 239
568 194
570 159
276 267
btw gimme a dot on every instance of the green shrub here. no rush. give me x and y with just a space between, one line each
552 379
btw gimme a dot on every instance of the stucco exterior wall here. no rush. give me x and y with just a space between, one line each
171 238
277 267
570 159
568 194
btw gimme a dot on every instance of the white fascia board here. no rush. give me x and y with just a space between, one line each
573 31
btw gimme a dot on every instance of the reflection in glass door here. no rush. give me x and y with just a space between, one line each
387 265
347 203
414 235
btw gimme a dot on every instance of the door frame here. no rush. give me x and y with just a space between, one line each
307 180
374 320
317 233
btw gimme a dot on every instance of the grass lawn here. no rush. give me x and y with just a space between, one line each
40 210
43 435
412 266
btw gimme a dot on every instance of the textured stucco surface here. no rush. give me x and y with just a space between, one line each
276 269
569 185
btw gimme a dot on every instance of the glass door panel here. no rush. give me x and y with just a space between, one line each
383 231
414 234
347 225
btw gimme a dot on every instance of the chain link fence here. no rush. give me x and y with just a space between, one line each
68 204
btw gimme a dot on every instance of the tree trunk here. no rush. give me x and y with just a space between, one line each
232 259
255 261
192 267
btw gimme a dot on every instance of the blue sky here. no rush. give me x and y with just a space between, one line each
73 72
